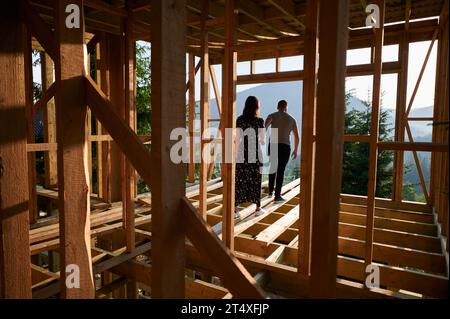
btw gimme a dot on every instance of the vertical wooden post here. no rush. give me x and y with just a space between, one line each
229 80
15 271
402 87
439 161
374 130
438 99
205 149
333 39
98 80
31 157
116 57
72 136
169 112
130 111
212 163
252 67
51 176
277 62
191 101
308 131
106 145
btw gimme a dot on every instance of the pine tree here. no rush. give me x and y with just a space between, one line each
356 154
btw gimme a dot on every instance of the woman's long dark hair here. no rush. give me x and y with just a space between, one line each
251 107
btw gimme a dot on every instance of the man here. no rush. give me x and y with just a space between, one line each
285 124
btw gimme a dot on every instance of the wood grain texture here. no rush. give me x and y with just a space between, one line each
15 271
333 39
308 131
72 137
168 20
374 133
205 146
229 78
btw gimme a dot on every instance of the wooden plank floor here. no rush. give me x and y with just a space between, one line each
407 246
406 243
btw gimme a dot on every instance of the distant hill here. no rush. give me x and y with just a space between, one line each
269 94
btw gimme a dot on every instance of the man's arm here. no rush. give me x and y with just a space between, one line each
296 141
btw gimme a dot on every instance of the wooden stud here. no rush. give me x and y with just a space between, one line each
229 79
106 146
191 102
51 174
333 39
205 147
308 131
115 63
402 86
129 182
212 164
15 271
31 157
72 136
374 131
98 80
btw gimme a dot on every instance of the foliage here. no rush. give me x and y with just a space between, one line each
356 154
143 88
143 97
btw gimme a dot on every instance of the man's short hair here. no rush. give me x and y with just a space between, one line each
282 104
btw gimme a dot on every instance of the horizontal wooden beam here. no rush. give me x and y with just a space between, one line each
42 147
356 138
416 146
270 77
104 7
368 69
112 262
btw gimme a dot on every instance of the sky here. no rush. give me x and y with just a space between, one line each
361 85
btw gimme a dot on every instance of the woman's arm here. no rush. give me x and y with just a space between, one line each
268 122
262 131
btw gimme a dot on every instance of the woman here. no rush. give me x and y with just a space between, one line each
249 159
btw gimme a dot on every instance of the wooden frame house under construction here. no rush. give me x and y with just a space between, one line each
181 240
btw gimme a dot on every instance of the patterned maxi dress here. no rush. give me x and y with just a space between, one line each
248 175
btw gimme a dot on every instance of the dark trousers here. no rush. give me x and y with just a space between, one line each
284 151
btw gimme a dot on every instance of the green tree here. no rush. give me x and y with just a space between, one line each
356 154
143 88
143 96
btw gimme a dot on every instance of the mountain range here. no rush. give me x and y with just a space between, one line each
270 93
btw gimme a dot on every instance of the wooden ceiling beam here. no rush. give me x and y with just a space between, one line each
288 8
104 7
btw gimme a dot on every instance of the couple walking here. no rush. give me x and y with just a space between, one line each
248 171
